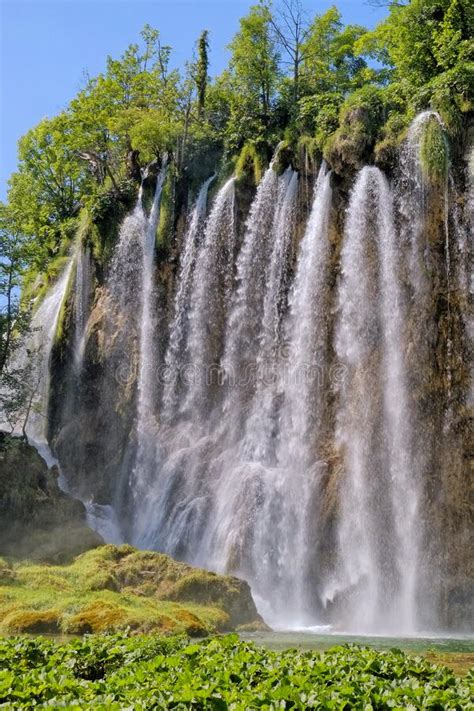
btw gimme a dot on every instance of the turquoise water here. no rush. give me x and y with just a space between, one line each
310 640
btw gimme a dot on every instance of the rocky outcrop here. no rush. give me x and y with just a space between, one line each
95 436
112 588
37 520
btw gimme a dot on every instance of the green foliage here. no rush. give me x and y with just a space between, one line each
164 234
201 71
361 117
254 59
288 76
15 251
249 166
117 672
434 154
428 44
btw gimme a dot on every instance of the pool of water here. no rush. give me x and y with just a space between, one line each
306 640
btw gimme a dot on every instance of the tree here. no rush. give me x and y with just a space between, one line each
15 252
254 61
201 71
428 44
291 28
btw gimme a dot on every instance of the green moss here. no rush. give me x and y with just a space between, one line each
249 165
32 621
307 146
285 156
6 572
165 229
65 311
360 120
434 153
105 210
367 102
459 662
88 234
37 284
113 588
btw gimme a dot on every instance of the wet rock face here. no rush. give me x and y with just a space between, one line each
92 437
37 519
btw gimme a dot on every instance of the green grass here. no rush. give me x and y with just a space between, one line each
122 672
114 588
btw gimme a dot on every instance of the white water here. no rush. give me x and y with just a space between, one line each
259 427
147 375
212 282
379 529
38 351
82 301
238 470
155 520
182 301
242 330
304 380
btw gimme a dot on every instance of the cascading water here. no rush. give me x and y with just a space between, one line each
259 428
38 351
164 519
379 530
291 440
264 502
212 281
306 357
242 331
147 375
304 378
129 328
182 301
246 523
413 197
82 298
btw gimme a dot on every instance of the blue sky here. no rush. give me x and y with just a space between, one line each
46 46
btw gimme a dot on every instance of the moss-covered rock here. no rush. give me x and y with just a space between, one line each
32 621
351 146
37 519
117 587
249 166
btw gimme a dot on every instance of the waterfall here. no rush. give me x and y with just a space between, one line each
379 529
174 459
145 418
35 355
398 415
82 297
123 283
147 375
413 196
413 206
304 378
294 441
212 283
242 331
307 332
182 301
259 427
